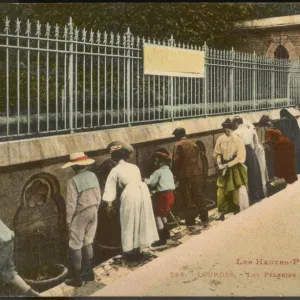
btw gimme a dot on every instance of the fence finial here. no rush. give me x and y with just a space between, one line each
56 31
91 36
48 30
84 35
38 28
70 23
98 37
76 33
6 24
28 27
18 25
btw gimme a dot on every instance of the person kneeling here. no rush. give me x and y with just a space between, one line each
162 181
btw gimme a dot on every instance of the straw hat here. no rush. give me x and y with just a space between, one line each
78 158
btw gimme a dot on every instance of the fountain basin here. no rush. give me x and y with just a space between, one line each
46 278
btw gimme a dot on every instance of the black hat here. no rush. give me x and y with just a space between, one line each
264 120
179 132
227 124
237 119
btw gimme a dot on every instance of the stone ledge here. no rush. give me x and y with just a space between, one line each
31 150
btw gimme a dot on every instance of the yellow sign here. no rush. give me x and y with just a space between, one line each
171 61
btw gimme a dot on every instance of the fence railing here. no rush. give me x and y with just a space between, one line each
64 80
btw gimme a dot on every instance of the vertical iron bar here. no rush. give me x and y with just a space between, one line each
273 85
38 75
254 67
47 75
18 74
56 77
138 79
128 35
28 77
65 81
7 75
71 76
83 67
111 82
205 78
231 93
76 78
98 79
118 94
105 78
91 85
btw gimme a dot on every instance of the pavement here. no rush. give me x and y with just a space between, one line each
253 253
114 268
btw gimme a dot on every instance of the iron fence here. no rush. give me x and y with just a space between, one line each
62 79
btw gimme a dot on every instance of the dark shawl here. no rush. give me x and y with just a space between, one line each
284 155
289 128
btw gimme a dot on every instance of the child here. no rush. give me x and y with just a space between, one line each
162 182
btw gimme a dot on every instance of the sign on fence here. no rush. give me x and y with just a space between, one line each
171 61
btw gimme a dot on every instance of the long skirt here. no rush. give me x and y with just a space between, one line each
232 190
261 156
138 227
255 186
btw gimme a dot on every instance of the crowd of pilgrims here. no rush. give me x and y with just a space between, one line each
246 158
249 158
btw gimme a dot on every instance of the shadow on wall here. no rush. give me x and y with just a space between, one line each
39 225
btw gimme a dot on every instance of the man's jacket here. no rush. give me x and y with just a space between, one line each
187 162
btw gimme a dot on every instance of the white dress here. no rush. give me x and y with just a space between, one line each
138 227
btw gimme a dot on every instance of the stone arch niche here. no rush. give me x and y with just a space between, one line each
285 44
39 225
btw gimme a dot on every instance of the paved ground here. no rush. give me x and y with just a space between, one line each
109 271
254 253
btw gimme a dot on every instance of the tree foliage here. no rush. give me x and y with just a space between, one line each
188 22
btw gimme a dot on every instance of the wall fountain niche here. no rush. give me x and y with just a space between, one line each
41 237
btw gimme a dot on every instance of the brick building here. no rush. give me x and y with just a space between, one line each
277 37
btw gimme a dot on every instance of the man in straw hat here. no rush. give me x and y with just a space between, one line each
82 202
188 169
232 182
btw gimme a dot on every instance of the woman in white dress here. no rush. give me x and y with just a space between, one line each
138 228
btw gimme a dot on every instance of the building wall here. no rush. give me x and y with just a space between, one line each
265 41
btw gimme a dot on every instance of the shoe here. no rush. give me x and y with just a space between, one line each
221 217
76 278
31 293
162 239
75 282
88 277
159 243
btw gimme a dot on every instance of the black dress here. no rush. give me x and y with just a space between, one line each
289 128
255 186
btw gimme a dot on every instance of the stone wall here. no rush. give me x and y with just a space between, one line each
21 160
265 41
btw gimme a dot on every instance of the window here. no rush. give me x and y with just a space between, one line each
281 53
